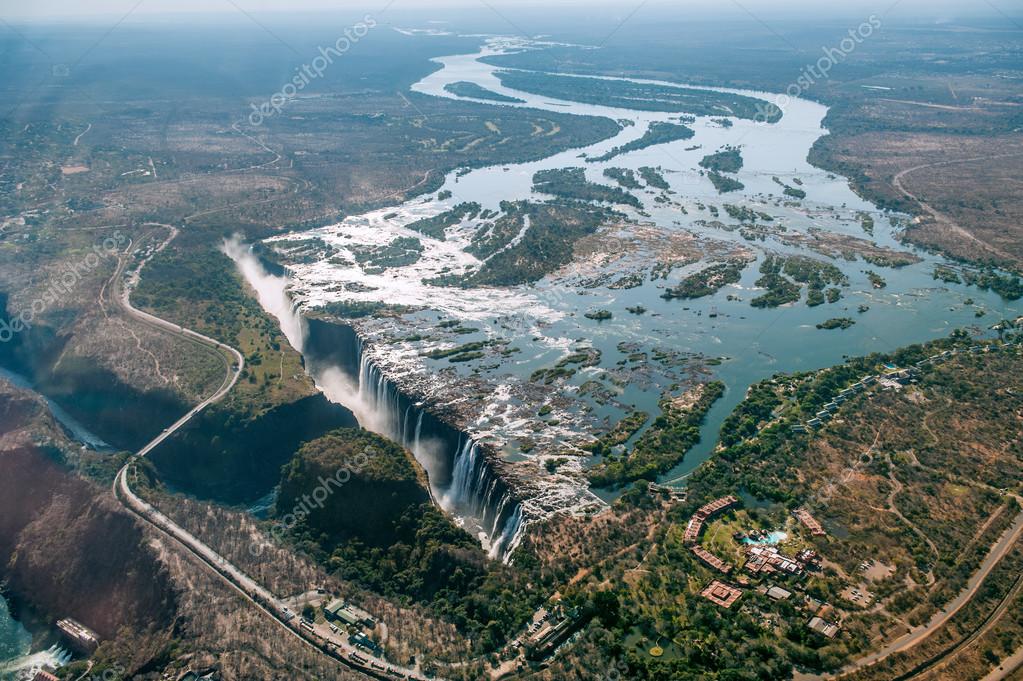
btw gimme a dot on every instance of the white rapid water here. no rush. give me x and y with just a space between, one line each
494 397
24 668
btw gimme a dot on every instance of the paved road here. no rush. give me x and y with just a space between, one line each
230 573
997 552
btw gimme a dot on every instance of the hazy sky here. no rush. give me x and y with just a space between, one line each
766 9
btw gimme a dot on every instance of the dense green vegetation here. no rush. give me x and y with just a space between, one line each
728 160
707 281
495 234
355 309
620 434
780 290
723 183
626 177
659 132
554 227
1008 286
464 88
746 214
436 225
641 96
946 274
659 448
876 280
399 253
571 183
654 178
836 323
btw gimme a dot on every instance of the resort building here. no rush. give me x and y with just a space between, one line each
809 522
721 594
823 627
767 559
705 512
711 561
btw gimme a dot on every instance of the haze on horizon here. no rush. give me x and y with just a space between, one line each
101 10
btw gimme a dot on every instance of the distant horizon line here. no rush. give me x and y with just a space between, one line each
791 15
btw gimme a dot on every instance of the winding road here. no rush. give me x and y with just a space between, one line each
335 647
940 217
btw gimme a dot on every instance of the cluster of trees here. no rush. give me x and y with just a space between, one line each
641 96
623 176
707 281
728 160
662 445
779 289
571 183
723 183
654 178
658 133
1009 287
464 88
435 226
554 227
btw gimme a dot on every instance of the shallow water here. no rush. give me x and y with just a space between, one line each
544 321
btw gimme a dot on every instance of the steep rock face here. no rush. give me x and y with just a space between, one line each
351 484
68 549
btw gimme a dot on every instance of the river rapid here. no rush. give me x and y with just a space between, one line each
535 432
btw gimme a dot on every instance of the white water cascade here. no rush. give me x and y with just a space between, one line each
461 479
472 491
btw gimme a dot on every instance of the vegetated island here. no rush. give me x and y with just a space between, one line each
464 88
723 183
571 183
707 281
514 255
659 132
836 323
662 446
641 96
727 160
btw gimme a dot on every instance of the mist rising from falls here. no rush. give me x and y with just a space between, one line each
271 290
338 387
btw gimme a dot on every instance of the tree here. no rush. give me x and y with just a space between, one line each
607 608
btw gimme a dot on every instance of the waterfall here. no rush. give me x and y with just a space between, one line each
25 667
472 490
461 477
271 290
476 491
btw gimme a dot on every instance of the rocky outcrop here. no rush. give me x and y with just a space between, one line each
351 484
